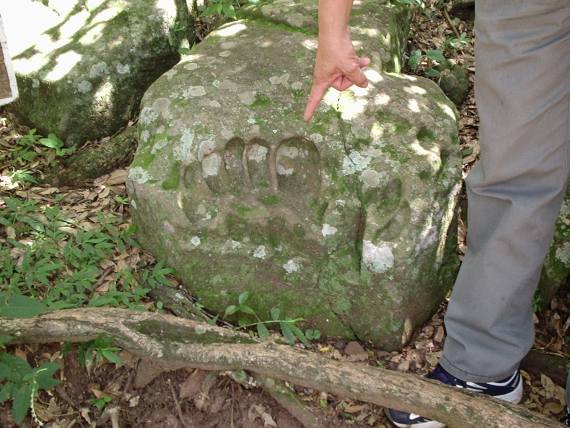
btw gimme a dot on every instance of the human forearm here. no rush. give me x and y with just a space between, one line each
333 18
337 64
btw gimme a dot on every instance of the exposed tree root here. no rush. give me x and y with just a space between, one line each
96 160
554 366
175 340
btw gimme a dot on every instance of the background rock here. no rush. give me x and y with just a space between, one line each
83 66
454 81
348 222
95 160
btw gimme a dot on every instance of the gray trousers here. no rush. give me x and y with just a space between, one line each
516 190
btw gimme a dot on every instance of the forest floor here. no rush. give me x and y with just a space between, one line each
91 229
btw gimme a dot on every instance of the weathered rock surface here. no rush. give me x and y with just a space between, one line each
83 66
347 221
379 28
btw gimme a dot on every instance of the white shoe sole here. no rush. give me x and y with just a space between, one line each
515 397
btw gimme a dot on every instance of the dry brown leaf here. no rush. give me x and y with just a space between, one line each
439 335
355 408
106 191
192 385
118 176
49 191
258 410
553 408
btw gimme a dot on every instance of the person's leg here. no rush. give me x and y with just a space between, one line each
516 189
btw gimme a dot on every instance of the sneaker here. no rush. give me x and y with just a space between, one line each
509 389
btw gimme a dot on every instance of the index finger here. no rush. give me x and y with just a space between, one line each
317 92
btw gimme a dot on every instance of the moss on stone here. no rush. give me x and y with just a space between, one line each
172 180
425 135
184 334
269 199
261 101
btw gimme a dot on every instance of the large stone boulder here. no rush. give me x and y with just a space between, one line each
83 65
379 29
348 222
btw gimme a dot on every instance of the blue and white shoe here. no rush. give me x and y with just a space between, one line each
509 389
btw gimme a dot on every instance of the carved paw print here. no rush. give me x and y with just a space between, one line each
290 169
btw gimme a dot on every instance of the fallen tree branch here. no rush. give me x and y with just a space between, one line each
175 340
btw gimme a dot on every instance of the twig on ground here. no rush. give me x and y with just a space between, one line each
450 23
177 404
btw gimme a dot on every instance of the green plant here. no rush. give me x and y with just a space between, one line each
121 200
101 402
288 326
456 43
52 142
429 59
29 146
538 302
23 177
20 383
49 259
98 350
224 8
18 306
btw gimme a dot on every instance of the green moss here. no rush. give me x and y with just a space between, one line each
299 231
178 334
269 199
425 135
237 229
172 181
454 139
243 210
143 159
396 154
254 13
261 101
213 211
424 175
398 124
264 184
